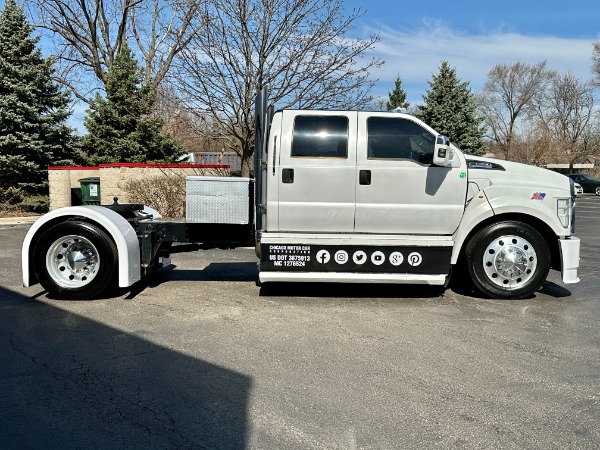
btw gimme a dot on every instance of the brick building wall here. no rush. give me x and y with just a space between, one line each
61 179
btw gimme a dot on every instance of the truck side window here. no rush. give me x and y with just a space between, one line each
320 136
399 138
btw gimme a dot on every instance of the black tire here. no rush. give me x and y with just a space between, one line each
508 260
597 190
75 260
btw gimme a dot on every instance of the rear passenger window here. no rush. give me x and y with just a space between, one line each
399 138
320 137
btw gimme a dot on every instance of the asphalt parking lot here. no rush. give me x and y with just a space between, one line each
200 357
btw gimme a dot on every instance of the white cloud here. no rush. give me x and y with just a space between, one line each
416 54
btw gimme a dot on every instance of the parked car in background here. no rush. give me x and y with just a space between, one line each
587 182
578 189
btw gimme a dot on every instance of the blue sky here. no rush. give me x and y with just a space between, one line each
474 36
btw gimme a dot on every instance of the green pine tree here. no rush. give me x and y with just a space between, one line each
450 109
121 127
397 98
33 109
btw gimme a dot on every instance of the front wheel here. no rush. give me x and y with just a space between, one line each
75 260
508 260
597 191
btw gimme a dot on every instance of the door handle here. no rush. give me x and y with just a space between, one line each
364 177
287 176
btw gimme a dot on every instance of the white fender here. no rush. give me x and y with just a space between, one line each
118 228
494 201
476 211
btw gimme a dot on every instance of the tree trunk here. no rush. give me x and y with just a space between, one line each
246 164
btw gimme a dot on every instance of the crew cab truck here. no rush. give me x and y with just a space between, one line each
338 196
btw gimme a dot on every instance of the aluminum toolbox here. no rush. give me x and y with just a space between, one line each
217 200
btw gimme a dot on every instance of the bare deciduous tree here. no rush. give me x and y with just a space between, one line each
88 35
297 47
509 94
596 62
195 131
566 115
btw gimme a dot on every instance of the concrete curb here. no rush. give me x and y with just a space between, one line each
18 220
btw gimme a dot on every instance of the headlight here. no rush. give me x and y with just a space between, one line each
564 209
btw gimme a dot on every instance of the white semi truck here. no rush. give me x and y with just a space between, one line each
338 196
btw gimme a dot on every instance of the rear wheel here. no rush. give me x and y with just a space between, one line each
597 191
508 260
75 260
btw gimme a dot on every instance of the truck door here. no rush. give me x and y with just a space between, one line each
398 189
317 171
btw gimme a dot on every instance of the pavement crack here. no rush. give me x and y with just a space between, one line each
32 358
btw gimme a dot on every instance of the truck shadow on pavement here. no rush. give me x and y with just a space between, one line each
350 290
221 271
248 272
71 382
548 288
238 271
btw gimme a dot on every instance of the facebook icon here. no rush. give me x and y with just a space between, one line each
323 256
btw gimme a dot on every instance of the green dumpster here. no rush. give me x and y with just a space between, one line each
90 190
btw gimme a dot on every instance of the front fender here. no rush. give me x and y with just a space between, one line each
116 226
516 202
478 210
540 203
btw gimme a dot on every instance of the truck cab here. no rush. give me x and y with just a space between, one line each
354 196
360 172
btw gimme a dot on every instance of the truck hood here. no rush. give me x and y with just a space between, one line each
488 171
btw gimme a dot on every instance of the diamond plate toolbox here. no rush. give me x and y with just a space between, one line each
217 200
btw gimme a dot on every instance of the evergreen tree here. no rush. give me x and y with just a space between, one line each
120 126
397 96
33 109
450 109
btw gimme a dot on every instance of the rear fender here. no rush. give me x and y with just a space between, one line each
121 232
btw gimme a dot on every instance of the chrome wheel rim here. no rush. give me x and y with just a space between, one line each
72 261
509 261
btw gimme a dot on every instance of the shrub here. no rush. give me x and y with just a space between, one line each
165 193
36 204
12 195
15 202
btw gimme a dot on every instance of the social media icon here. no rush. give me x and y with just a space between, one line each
323 256
414 259
377 258
396 258
341 257
359 257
